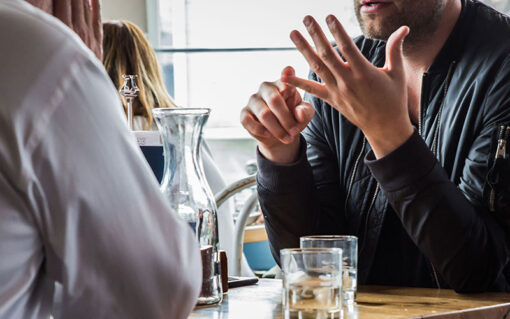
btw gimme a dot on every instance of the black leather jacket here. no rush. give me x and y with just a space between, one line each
449 184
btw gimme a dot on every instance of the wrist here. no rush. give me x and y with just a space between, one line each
385 142
281 153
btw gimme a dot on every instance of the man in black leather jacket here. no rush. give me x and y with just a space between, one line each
399 142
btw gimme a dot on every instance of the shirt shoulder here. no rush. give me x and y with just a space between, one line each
45 68
31 40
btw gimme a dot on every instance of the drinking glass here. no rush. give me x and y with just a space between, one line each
312 282
349 246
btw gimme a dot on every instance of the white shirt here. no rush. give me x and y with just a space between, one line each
78 204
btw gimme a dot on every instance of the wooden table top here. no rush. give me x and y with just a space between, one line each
264 301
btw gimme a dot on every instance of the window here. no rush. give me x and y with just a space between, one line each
500 5
219 51
215 53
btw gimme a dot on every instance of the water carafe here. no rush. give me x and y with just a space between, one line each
187 190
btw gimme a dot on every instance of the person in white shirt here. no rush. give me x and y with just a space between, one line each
78 205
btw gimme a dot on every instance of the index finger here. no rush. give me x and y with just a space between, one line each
285 88
345 44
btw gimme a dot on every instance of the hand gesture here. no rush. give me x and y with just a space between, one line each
84 17
374 99
275 116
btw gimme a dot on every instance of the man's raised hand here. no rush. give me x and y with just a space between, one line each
84 17
275 116
374 99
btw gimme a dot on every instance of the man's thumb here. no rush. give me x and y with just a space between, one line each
394 49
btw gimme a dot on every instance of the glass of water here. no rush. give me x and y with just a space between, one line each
312 282
349 246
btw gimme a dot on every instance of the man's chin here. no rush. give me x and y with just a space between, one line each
375 33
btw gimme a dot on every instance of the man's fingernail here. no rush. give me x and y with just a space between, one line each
294 37
330 19
294 131
287 138
307 21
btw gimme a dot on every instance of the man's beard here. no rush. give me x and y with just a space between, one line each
421 16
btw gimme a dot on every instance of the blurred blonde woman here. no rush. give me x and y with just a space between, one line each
127 51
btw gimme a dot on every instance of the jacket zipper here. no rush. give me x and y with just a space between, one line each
504 134
435 143
377 188
351 182
420 114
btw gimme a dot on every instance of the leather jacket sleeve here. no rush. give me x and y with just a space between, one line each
288 194
460 226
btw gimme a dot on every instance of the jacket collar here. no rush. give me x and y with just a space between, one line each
454 44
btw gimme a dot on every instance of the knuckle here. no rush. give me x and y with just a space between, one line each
274 99
324 54
266 85
265 115
343 48
348 49
281 134
243 115
258 131
358 76
317 67
312 29
254 98
246 123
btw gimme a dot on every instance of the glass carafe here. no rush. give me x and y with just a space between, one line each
187 190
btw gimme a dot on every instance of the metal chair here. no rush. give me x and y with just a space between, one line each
240 225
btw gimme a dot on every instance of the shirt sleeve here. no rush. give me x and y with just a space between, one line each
109 237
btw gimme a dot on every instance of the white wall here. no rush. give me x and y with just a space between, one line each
132 10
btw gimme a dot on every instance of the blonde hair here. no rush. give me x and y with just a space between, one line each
127 51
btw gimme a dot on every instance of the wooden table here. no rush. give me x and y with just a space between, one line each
264 301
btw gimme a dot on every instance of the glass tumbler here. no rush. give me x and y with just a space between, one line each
349 246
312 282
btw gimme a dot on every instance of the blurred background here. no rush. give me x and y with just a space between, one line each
215 53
